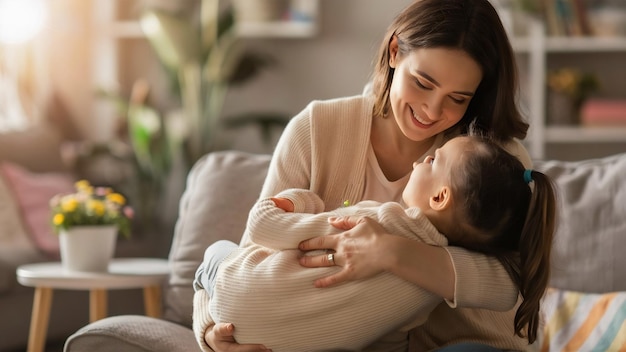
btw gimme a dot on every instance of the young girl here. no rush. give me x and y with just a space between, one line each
472 191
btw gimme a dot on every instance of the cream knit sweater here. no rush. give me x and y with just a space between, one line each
324 149
271 299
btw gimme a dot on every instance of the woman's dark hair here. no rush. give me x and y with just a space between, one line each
474 27
508 212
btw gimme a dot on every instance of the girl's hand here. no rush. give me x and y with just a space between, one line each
221 339
358 250
284 204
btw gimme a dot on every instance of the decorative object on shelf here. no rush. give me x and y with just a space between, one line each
259 10
568 89
562 17
88 223
609 20
561 110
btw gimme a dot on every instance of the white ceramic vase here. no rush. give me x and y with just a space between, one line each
87 248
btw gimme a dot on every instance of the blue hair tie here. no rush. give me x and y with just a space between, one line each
528 175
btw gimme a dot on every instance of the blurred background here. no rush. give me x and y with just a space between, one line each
131 92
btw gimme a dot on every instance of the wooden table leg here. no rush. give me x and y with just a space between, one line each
97 304
152 301
39 319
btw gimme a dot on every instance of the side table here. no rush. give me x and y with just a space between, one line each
123 273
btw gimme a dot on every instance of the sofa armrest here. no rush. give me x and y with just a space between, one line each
132 333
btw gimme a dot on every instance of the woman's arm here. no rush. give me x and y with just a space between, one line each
464 278
291 161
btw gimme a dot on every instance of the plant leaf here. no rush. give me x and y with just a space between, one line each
173 38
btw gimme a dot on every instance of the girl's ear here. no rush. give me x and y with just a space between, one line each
442 200
393 51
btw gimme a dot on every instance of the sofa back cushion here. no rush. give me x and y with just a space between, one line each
221 189
590 242
37 148
32 192
16 247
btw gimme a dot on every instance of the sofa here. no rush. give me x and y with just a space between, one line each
222 186
33 168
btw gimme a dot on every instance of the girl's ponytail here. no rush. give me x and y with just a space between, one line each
534 251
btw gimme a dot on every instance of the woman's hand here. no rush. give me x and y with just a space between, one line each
365 249
358 250
221 339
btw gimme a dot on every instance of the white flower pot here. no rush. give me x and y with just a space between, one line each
88 248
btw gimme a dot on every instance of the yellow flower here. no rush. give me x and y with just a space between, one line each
92 206
69 205
116 198
58 219
574 83
82 184
96 206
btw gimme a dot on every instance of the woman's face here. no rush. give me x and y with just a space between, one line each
431 89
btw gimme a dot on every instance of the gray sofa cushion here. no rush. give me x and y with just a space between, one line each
589 247
221 189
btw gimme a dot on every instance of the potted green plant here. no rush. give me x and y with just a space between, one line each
203 56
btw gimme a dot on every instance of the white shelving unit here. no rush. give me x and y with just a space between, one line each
304 26
301 28
278 29
110 32
538 47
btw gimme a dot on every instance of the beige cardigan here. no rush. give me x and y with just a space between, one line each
324 149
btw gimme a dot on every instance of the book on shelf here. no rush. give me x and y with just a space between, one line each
566 17
603 112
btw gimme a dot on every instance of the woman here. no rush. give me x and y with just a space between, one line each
443 65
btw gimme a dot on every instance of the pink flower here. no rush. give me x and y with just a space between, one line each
128 212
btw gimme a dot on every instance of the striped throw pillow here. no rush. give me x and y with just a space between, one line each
576 321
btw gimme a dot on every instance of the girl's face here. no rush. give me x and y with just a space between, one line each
430 176
431 89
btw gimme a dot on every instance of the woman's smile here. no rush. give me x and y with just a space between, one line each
419 120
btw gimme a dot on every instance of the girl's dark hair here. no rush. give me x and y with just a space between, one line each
499 213
474 27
